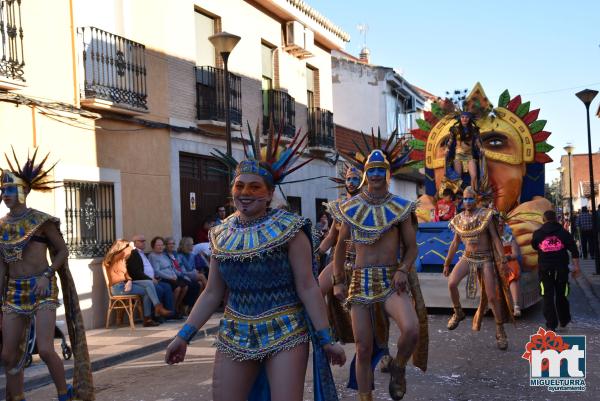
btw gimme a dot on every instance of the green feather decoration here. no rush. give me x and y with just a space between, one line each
437 111
416 144
523 109
537 126
424 125
418 165
543 147
504 99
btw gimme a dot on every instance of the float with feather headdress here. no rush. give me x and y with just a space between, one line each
511 173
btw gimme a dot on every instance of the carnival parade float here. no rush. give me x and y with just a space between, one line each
503 159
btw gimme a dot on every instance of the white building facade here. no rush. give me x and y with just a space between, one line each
369 97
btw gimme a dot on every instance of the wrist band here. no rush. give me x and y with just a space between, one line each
49 273
325 336
402 268
187 332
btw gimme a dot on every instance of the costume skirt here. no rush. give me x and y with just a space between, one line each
21 299
371 284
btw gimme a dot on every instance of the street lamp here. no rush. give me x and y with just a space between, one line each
569 149
586 96
224 43
558 193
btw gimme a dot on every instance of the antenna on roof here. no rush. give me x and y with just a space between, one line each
363 29
364 52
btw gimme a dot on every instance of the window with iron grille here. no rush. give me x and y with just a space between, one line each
12 62
89 217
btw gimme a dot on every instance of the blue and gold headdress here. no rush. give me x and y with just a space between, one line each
274 162
347 171
30 177
391 154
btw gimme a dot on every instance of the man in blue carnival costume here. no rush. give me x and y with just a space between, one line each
339 315
263 257
382 226
29 288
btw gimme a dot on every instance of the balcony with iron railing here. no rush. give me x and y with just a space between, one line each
210 96
114 72
320 128
12 62
280 109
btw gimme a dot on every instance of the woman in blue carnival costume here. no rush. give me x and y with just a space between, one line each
263 257
29 287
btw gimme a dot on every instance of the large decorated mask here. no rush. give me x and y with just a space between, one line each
513 143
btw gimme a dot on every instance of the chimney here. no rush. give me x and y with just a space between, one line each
364 55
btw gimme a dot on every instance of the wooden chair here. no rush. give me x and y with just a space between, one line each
119 303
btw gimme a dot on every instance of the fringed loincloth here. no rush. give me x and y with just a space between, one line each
475 261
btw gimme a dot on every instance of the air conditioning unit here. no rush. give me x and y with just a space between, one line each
294 35
309 40
410 105
299 41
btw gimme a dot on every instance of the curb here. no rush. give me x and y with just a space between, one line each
112 360
588 289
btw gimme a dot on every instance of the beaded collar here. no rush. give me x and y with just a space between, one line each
233 240
469 226
368 220
15 232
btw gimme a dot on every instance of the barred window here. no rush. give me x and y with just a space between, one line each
90 218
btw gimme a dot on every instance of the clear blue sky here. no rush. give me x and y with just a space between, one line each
534 48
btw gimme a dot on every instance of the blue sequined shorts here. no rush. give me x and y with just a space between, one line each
259 337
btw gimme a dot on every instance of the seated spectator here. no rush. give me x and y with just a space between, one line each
202 233
445 208
165 271
140 268
193 286
188 262
202 248
221 215
122 284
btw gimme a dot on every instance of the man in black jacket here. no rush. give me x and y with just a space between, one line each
139 268
552 242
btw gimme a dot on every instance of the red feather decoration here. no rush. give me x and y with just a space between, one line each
514 104
542 158
420 134
540 136
531 116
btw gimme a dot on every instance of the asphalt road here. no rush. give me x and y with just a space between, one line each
463 365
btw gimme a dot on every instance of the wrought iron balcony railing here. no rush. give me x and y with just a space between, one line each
320 128
279 107
11 40
115 68
210 95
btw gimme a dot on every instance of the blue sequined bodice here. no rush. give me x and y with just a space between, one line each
259 285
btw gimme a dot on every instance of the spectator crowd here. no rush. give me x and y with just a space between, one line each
168 277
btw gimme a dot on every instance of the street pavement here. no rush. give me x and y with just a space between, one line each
463 365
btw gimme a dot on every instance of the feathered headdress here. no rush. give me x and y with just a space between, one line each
31 176
393 152
347 170
281 159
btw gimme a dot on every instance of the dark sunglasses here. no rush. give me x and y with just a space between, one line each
468 200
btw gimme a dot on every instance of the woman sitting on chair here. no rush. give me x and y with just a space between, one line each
121 284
